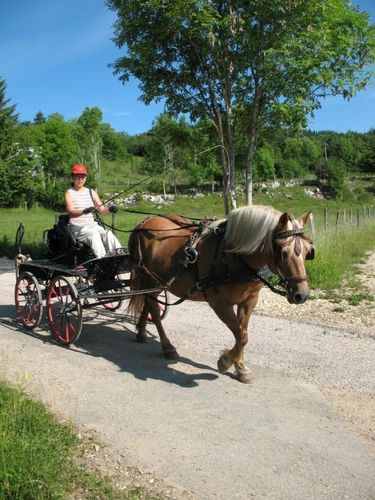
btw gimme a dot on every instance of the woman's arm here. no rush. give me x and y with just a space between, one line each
102 209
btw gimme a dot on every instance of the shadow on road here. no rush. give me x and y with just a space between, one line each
102 338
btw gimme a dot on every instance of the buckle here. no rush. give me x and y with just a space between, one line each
191 255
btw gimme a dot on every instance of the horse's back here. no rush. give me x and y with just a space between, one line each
157 243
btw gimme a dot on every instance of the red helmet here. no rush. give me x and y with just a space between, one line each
79 169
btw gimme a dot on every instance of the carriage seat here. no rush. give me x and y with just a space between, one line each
61 242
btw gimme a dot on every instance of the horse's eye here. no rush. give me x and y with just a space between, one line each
311 254
284 254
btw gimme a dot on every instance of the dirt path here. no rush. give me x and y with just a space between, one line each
303 429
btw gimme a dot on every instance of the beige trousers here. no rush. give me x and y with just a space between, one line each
100 240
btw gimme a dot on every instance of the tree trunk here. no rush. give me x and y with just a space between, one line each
253 137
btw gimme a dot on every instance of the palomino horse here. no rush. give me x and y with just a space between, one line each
221 263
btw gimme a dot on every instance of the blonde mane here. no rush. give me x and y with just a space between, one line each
249 229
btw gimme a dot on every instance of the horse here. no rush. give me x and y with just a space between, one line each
223 262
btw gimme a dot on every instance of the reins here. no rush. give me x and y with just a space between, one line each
229 277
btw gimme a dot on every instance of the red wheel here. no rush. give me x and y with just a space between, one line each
64 311
28 299
111 306
164 297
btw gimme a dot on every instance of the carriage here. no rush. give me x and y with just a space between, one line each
70 280
224 263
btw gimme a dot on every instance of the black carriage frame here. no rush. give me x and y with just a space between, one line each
69 281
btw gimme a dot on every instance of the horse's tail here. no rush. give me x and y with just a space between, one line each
136 303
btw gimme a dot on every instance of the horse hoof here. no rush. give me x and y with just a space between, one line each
141 337
171 354
244 376
224 363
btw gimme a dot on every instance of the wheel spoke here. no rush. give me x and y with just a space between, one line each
64 311
28 298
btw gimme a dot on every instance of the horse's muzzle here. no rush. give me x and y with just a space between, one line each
298 296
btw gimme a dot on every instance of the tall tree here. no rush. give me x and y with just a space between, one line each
88 134
39 118
8 121
168 150
221 60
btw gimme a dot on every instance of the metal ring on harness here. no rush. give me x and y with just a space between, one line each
191 255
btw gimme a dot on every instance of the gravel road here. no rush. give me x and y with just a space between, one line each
304 428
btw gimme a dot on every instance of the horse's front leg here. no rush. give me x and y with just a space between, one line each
238 325
168 349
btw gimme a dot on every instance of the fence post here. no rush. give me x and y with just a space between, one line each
312 225
358 217
337 219
325 218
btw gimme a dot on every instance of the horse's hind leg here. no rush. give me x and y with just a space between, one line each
168 349
141 324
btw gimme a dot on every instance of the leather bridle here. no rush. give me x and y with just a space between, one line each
296 233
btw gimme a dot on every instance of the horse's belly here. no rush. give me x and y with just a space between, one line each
237 293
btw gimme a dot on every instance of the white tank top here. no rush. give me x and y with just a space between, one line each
82 199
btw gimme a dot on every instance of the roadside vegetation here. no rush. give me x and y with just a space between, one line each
39 457
350 231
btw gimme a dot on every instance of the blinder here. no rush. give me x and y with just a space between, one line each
293 232
311 254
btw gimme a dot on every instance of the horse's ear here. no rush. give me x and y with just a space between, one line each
304 219
283 221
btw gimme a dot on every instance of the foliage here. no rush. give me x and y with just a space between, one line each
255 63
335 173
114 147
264 163
89 138
338 253
39 456
367 162
8 121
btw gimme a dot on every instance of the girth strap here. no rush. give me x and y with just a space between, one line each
232 277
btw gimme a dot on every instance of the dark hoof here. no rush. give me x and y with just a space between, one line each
171 354
141 337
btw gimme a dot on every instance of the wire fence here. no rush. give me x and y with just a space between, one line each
328 220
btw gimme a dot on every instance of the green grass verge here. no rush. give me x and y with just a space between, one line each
38 454
337 257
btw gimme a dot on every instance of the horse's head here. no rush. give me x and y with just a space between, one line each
291 247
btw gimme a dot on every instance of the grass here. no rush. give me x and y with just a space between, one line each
338 254
338 250
38 456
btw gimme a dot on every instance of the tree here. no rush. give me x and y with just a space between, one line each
368 161
264 163
90 140
39 118
8 122
113 147
227 60
168 150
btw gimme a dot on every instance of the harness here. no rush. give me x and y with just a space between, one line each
248 275
297 233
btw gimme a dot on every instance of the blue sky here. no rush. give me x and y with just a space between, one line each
54 57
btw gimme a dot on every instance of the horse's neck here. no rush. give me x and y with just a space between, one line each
255 261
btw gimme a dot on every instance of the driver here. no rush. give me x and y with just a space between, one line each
80 203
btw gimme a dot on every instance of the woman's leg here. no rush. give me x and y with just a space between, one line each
109 239
91 236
